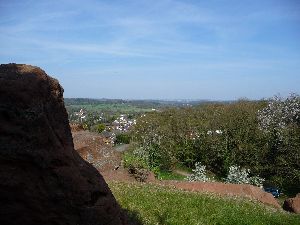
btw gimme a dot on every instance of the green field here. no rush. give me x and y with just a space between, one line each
111 107
150 204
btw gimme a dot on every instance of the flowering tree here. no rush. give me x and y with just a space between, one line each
239 175
280 122
199 174
280 114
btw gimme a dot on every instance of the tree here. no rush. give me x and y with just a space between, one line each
280 114
280 122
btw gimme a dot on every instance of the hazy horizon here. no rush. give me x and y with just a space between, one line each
168 49
184 99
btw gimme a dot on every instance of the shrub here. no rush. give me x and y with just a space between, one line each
257 181
97 128
130 159
122 138
239 175
199 174
100 127
136 165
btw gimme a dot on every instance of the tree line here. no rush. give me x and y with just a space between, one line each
263 136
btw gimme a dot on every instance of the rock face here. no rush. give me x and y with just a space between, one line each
43 180
92 148
292 204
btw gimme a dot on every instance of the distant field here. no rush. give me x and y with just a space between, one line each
126 106
149 204
122 106
112 107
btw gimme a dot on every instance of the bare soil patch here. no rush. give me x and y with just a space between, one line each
92 148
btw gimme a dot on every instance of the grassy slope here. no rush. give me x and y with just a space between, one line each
151 204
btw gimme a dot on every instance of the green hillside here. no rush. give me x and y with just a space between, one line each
150 204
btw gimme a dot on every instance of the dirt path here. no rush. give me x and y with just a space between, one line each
180 172
121 148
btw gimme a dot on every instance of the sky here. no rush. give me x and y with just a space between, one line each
164 49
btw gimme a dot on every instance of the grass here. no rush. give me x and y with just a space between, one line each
151 204
169 175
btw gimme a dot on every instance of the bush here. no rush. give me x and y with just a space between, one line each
199 174
97 128
257 181
100 127
239 175
130 159
136 166
122 139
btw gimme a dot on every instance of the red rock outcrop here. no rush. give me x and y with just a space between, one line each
43 180
92 148
292 204
75 127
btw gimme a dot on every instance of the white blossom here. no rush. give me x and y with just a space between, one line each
239 175
279 114
199 174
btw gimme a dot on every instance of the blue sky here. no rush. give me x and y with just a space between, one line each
164 49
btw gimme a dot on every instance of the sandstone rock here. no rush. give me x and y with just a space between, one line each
75 127
292 204
43 180
92 147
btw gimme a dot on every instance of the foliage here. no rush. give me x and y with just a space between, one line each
166 174
199 174
257 181
263 136
136 165
123 138
237 175
150 204
98 128
132 159
190 135
280 113
85 126
280 123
